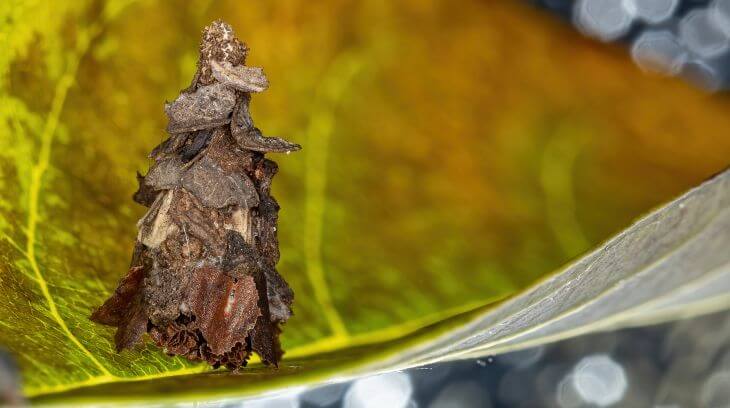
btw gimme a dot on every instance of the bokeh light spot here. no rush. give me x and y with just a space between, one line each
699 33
658 51
385 390
603 19
599 380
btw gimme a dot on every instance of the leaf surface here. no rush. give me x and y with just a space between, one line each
673 263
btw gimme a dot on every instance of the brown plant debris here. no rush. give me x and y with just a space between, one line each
203 280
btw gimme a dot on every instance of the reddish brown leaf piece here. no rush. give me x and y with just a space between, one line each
223 306
203 280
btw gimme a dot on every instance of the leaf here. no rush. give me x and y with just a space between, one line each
675 259
661 263
452 156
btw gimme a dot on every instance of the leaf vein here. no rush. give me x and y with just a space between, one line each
319 132
38 170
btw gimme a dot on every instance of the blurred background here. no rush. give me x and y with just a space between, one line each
686 38
454 153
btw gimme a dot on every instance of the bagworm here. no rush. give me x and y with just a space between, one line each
203 281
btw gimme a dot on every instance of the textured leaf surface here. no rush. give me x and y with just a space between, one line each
452 156
672 262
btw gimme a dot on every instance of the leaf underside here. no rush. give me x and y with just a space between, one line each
427 191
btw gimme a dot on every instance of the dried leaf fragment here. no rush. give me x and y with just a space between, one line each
223 306
242 78
249 137
208 107
165 174
216 188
